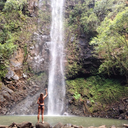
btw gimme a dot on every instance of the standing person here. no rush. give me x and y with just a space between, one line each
40 101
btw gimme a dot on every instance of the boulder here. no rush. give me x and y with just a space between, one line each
3 126
42 125
125 125
113 126
66 127
103 126
59 125
74 126
21 125
91 127
121 108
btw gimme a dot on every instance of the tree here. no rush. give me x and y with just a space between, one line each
111 44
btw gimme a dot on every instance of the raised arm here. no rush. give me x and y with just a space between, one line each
46 93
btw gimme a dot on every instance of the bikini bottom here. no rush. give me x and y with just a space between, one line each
41 106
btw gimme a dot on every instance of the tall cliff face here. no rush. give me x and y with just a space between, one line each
26 76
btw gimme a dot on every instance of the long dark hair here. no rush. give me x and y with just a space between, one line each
41 95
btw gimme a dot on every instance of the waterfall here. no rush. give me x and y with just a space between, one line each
56 83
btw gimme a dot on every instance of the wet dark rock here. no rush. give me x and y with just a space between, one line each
21 125
121 108
75 126
42 125
122 116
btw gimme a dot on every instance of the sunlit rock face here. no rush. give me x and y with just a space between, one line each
16 64
38 62
27 72
38 57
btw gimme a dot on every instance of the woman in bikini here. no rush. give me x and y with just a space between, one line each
40 101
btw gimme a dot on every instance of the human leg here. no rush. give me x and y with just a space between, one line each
42 112
38 116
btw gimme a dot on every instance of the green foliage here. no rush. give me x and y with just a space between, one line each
73 69
25 50
104 7
40 76
105 90
3 69
90 22
112 45
75 86
0 85
14 5
44 16
97 89
2 2
77 95
37 77
7 46
5 51
83 18
14 27
86 18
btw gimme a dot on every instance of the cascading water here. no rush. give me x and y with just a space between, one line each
56 83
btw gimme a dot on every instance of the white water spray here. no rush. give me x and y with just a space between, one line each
56 83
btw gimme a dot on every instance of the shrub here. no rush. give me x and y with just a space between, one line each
14 5
97 89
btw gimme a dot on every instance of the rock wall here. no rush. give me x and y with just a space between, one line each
28 69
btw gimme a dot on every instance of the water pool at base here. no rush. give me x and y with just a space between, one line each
52 120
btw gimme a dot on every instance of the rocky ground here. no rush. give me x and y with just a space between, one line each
47 125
